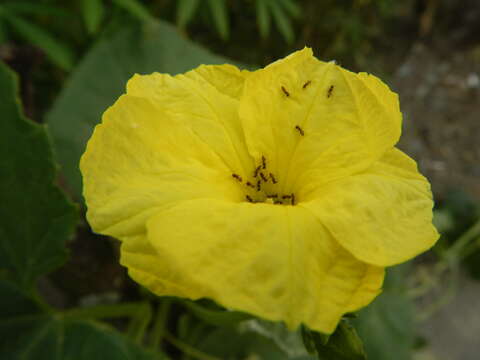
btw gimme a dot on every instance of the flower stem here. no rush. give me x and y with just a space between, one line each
466 244
458 249
139 313
187 349
105 311
160 323
139 323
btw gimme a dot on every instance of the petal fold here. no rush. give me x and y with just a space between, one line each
382 216
195 99
227 79
142 158
272 261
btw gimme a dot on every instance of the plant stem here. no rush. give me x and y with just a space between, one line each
160 323
456 252
465 245
105 311
139 322
187 349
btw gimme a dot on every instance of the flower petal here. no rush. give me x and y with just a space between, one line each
195 100
144 157
227 79
315 119
277 262
382 216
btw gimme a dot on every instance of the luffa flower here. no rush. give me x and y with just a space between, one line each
277 192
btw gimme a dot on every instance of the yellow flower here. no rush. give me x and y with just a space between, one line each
277 192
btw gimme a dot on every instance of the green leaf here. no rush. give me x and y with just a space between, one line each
59 53
308 340
3 31
343 344
291 7
101 78
185 11
135 8
263 18
387 325
24 7
28 334
13 302
93 12
283 22
219 12
35 217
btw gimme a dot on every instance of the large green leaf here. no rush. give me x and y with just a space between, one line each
35 217
387 326
28 334
101 78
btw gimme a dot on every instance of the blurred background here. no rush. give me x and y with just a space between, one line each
74 57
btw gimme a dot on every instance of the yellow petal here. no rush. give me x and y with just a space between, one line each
227 79
195 100
382 216
144 266
316 120
144 157
277 262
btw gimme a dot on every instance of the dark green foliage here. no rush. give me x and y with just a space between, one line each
35 221
26 333
93 12
13 14
343 344
387 325
35 217
458 221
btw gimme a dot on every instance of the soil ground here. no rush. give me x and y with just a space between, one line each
440 99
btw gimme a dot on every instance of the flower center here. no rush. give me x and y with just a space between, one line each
262 186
